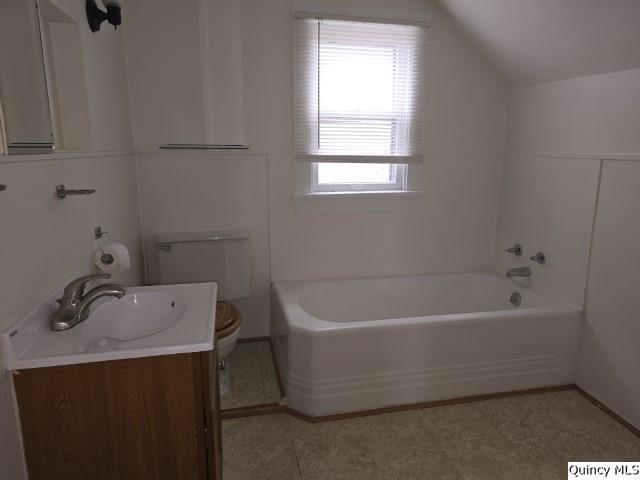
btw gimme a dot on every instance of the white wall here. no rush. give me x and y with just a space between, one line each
106 80
450 228
45 240
548 40
106 88
552 195
610 357
23 75
595 115
165 72
547 204
208 191
466 97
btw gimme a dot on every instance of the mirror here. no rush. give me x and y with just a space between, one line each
23 86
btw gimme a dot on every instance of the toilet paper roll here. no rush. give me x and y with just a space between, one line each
113 257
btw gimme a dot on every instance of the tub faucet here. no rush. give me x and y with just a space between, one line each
74 304
519 272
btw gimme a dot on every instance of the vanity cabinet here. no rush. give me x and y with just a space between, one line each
141 418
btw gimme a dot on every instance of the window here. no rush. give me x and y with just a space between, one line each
340 177
359 92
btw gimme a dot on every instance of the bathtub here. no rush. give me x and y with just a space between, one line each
359 344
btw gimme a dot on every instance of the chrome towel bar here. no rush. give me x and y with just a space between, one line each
62 192
202 146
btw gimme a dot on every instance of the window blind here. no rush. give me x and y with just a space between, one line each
359 90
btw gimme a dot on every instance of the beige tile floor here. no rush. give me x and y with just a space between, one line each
515 438
253 376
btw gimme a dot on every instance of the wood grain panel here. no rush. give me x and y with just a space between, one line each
133 419
213 435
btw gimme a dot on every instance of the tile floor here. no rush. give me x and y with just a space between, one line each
253 376
515 438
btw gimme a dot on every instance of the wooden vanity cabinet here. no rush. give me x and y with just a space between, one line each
142 418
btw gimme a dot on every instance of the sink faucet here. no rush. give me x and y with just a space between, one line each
519 272
74 304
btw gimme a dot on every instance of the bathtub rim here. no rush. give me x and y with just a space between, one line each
300 321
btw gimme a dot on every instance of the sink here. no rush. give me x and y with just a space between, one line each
135 315
147 321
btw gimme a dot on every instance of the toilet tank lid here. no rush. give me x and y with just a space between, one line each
180 237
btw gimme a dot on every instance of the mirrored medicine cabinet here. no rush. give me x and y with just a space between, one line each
43 94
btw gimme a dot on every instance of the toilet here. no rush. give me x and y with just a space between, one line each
211 256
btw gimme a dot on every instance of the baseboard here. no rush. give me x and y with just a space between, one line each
252 411
253 339
608 411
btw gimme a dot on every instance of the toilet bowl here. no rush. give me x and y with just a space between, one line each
228 322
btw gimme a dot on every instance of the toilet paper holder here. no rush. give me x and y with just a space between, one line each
100 234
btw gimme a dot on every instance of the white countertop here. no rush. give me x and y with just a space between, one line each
31 343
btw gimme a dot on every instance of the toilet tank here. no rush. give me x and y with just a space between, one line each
190 257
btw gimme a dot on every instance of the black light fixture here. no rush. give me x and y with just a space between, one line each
95 16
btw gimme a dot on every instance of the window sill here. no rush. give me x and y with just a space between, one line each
363 194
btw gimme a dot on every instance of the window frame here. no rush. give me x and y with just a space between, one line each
409 169
399 185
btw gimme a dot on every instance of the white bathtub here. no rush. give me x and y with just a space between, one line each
357 344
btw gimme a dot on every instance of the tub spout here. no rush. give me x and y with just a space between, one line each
519 272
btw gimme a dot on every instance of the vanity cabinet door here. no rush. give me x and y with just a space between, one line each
132 419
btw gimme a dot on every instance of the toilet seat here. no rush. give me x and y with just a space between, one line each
228 319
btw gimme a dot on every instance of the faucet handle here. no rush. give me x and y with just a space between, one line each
539 257
516 250
75 288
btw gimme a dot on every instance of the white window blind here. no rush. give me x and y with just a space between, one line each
359 90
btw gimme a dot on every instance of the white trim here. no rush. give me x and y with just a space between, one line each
463 152
393 159
594 219
174 153
205 59
383 18
63 155
412 181
587 156
291 153
144 240
407 120
398 185
317 8
3 134
366 194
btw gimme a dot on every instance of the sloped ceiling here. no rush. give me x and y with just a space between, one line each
533 41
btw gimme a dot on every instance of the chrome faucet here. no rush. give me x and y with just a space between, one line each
75 304
519 272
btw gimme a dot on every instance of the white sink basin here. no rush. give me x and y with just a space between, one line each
136 315
148 321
